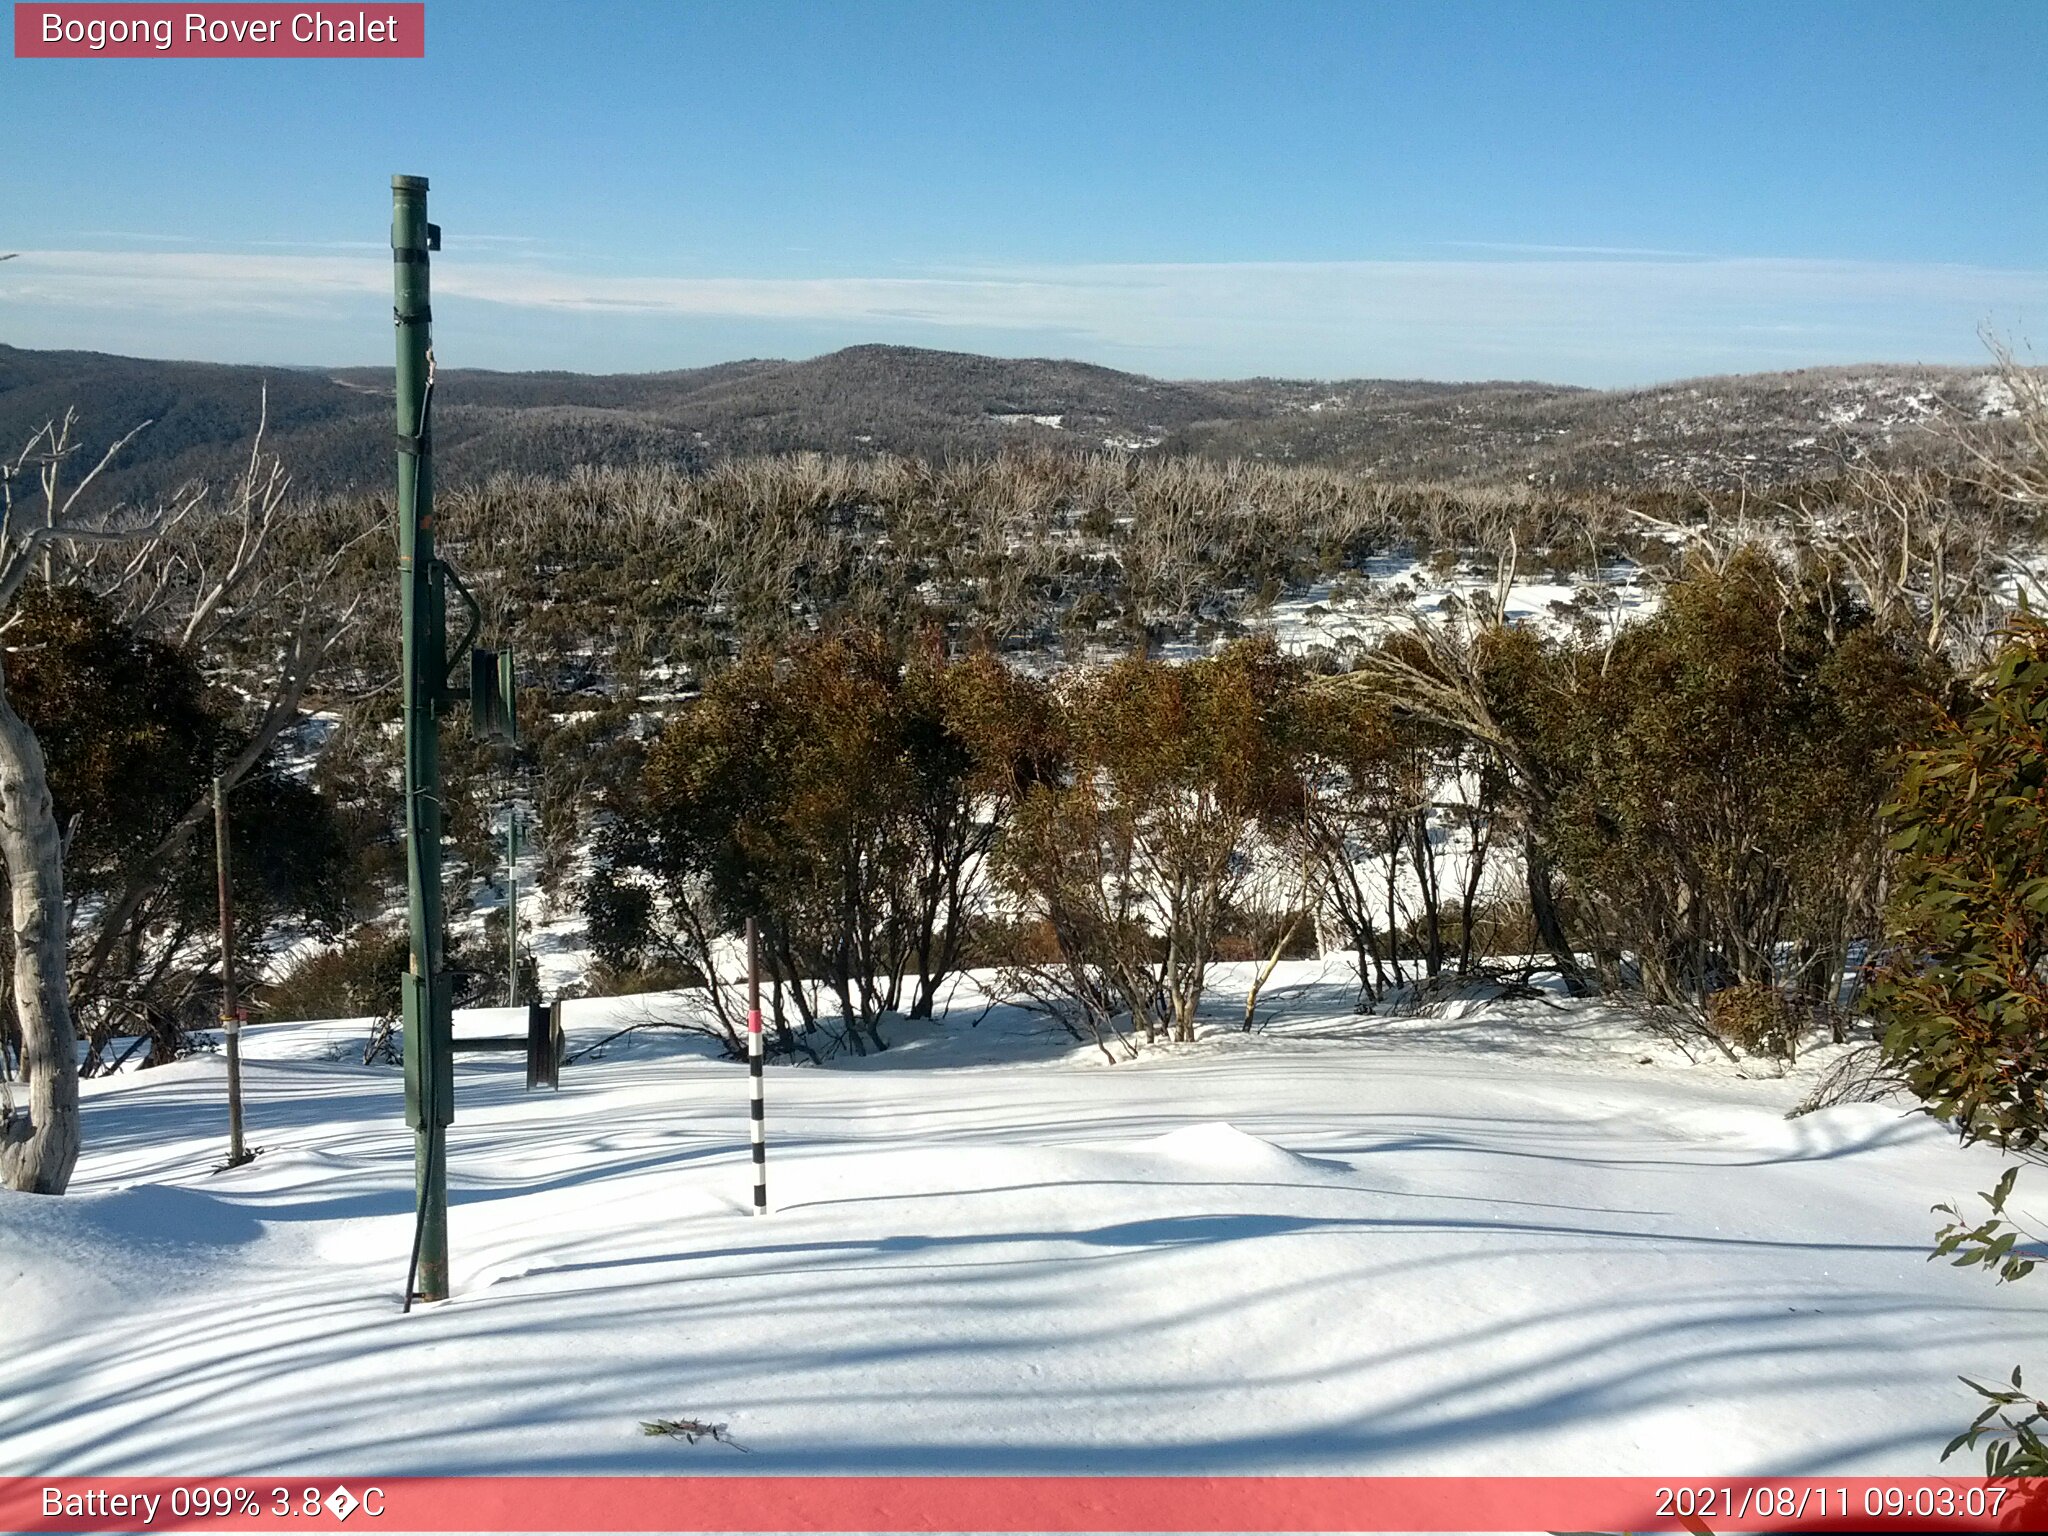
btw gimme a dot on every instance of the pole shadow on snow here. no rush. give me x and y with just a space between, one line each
1638 1361
1348 1186
518 1353
1185 1230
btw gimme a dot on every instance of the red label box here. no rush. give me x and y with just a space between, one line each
1700 1506
107 29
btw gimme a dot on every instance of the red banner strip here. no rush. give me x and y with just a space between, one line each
368 29
1012 1504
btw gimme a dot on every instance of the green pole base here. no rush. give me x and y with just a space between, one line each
431 1193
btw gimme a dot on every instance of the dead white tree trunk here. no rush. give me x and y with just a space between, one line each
40 1147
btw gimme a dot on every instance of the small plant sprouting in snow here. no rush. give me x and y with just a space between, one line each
1990 1243
2015 1447
248 1156
2012 1445
691 1430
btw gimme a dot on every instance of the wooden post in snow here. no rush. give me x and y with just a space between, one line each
230 1008
757 1106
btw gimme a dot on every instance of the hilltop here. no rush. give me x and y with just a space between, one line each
333 427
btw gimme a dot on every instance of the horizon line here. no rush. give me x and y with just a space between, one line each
1897 365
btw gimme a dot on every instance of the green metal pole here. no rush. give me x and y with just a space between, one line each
511 896
429 1019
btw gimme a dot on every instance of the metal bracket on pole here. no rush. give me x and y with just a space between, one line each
544 1046
470 606
493 715
441 657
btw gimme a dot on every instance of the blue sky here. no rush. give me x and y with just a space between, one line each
1590 193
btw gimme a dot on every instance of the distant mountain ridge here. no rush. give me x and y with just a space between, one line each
333 426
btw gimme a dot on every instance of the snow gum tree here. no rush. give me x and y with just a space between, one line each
1381 789
1498 694
1133 855
40 1148
1697 792
846 796
975 737
1726 762
1350 817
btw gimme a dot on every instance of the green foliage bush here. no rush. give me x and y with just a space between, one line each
124 726
1756 1017
1134 850
840 795
1965 993
1709 783
358 978
132 737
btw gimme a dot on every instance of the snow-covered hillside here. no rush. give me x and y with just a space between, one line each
1511 1236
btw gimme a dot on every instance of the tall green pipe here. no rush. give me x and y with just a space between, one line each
511 898
428 1017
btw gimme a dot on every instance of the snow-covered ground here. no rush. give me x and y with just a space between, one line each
1393 591
1512 1238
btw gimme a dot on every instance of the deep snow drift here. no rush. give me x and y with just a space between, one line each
1498 1241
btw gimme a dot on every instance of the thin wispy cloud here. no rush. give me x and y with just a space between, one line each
521 245
1579 317
143 236
1517 248
318 245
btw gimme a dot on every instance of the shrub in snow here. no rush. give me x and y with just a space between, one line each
1967 990
131 737
357 977
1133 853
846 796
1755 1017
1965 994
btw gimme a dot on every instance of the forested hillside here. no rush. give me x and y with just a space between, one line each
1492 635
333 426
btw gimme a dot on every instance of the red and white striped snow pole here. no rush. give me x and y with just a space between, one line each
757 1106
